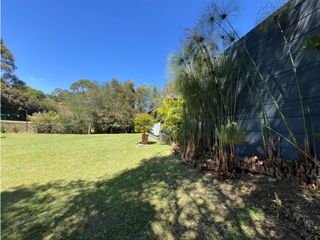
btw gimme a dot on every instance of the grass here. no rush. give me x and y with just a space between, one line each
109 187
29 159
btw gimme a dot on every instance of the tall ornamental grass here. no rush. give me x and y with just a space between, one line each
208 77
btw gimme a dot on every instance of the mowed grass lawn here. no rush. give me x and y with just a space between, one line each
108 187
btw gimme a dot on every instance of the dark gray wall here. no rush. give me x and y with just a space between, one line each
266 45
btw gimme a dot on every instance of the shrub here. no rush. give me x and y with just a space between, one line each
47 122
3 129
171 112
57 125
143 123
15 129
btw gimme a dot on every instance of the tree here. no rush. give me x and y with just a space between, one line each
143 123
99 108
16 96
118 106
170 90
155 98
7 59
15 101
143 99
8 67
171 113
59 95
83 85
80 105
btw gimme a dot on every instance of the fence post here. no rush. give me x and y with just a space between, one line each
26 120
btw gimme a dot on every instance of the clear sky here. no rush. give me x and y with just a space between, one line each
57 42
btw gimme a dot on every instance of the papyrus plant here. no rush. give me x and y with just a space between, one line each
220 19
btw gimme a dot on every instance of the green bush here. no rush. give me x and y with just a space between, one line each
3 129
47 122
58 126
143 123
15 129
171 112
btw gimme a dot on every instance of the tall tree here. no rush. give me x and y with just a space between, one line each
83 85
8 67
17 98
99 108
170 90
155 98
143 99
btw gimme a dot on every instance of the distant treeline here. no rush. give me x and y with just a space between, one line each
95 108
87 107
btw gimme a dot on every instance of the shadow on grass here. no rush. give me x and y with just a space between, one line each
160 199
149 143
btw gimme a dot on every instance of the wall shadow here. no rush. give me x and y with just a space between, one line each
160 199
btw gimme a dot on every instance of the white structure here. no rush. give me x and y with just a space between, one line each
156 129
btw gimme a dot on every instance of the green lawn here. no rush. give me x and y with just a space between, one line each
108 187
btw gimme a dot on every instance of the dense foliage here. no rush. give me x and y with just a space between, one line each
87 107
8 66
47 122
207 70
18 99
170 113
143 123
207 82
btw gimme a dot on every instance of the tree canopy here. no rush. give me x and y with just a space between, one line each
86 107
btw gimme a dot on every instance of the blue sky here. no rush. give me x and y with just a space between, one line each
57 42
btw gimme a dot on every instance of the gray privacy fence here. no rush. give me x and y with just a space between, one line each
267 47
